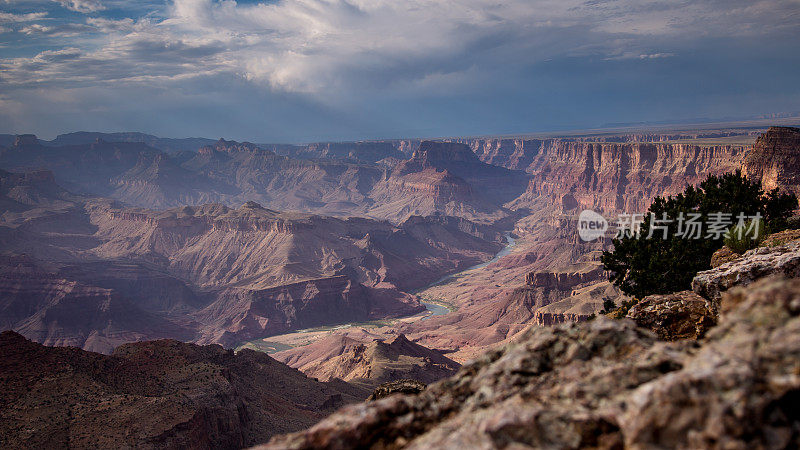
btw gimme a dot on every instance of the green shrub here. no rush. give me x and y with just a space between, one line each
626 306
642 266
747 236
608 306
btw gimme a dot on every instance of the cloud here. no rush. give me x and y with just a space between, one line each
656 55
640 56
82 6
315 46
57 30
125 25
351 54
322 47
6 17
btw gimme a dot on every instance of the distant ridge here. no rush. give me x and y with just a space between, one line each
170 145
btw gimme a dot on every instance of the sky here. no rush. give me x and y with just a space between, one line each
310 70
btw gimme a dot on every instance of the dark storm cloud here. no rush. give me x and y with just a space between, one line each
380 66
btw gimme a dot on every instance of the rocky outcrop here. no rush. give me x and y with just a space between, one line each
369 363
158 394
687 315
563 281
360 151
168 145
443 154
726 255
22 140
519 153
754 264
603 384
681 315
397 387
723 255
443 187
231 147
447 178
775 160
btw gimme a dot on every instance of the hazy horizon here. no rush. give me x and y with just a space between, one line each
698 125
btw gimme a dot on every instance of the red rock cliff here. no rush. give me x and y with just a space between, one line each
775 159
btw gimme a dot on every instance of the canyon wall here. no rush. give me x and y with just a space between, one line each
606 176
774 160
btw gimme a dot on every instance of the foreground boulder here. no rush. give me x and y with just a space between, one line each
723 256
681 315
688 315
604 384
753 265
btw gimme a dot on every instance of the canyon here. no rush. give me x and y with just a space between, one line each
330 256
208 273
551 276
235 271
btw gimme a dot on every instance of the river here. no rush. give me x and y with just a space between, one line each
436 309
440 310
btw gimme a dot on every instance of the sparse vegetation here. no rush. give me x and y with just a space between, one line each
623 309
747 236
608 306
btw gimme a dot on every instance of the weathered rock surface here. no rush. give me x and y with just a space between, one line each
158 394
397 387
754 264
782 237
681 315
604 384
726 255
723 255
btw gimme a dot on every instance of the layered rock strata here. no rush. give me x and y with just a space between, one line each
773 160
